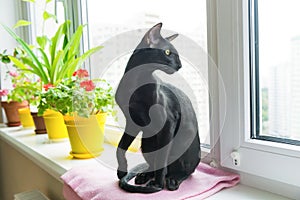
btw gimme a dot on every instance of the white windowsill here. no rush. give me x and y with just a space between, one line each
54 158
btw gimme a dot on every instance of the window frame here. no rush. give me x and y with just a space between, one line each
271 160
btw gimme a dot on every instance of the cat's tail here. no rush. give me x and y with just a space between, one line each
124 182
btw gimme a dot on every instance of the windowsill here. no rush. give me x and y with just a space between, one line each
55 159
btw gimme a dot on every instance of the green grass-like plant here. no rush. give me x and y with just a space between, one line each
62 58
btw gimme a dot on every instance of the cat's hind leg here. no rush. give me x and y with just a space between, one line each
179 171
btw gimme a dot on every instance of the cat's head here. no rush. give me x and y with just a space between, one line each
153 40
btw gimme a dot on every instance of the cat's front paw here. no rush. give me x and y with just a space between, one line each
143 178
172 184
121 174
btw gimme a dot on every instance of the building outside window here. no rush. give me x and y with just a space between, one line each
276 63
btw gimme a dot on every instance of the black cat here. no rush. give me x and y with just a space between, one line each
164 114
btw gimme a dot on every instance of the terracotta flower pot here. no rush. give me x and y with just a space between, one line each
40 127
11 111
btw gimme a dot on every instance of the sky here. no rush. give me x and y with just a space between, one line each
279 21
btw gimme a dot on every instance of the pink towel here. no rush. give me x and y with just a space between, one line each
101 183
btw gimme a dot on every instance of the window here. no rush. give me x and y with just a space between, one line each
276 62
262 153
253 44
113 21
112 25
49 26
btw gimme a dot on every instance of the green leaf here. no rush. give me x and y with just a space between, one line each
61 31
5 59
45 59
70 51
42 41
74 43
47 15
33 67
74 64
85 56
18 63
22 23
26 48
31 1
21 65
55 66
68 68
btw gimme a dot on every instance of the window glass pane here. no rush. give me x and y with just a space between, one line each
37 26
48 27
186 17
279 68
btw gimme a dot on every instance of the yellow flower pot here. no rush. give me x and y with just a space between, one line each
55 125
25 117
86 135
113 137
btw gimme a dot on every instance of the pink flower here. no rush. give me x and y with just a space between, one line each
13 74
3 92
88 85
47 86
14 85
81 73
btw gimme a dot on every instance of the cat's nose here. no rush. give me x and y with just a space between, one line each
179 66
178 63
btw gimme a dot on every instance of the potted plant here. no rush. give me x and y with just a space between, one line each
22 94
25 88
52 59
84 104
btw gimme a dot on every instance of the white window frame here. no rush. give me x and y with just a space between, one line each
274 161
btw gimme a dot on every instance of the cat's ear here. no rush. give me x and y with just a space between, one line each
172 37
153 35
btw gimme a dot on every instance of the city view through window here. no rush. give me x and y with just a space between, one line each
187 18
279 68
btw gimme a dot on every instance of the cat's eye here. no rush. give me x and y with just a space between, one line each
167 52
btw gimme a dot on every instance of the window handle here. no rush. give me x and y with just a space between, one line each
236 158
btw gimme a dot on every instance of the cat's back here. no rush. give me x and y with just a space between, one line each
178 96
